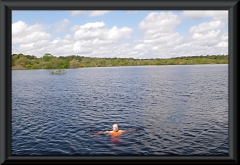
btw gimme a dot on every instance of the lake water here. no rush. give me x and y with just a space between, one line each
174 110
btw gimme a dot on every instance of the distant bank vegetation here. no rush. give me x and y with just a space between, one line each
48 61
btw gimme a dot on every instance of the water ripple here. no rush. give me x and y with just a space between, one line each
173 111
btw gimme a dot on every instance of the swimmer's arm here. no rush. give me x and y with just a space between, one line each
128 131
105 132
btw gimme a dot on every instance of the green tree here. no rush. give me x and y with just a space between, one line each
55 63
14 59
48 65
47 57
23 61
74 63
50 62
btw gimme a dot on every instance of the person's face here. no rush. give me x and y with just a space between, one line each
115 128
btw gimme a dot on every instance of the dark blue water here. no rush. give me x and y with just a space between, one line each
177 110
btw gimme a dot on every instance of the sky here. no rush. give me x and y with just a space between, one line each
135 34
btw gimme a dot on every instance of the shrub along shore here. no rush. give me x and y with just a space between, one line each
48 61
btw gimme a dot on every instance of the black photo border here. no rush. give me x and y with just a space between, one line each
6 7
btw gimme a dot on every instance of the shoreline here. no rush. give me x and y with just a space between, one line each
48 61
118 66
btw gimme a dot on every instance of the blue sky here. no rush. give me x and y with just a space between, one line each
135 34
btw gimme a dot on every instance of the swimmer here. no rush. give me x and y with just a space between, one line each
115 131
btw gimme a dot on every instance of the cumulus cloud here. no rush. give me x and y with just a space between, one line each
213 14
207 43
76 12
98 31
23 33
97 13
160 22
93 13
159 37
206 26
68 37
96 38
132 12
209 37
91 39
61 25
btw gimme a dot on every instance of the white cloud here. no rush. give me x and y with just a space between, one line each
89 26
91 39
206 26
61 25
32 46
224 37
207 43
160 37
214 14
222 44
132 12
208 36
32 37
23 33
76 12
98 31
96 39
97 13
68 37
75 28
89 13
21 28
26 46
160 22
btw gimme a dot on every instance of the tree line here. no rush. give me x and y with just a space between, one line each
48 61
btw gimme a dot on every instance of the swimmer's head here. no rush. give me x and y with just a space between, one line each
115 127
